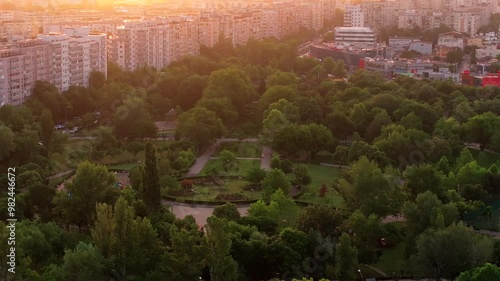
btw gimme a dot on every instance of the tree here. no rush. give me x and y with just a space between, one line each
439 256
421 178
222 107
365 187
427 211
481 128
464 158
276 93
131 243
367 231
186 256
346 256
289 110
328 65
47 132
340 155
485 272
190 91
291 246
455 56
92 184
228 160
274 180
339 70
233 84
151 180
326 220
280 78
222 266
132 119
40 193
272 125
256 175
411 121
311 138
227 211
281 209
6 141
200 125
97 80
83 263
301 175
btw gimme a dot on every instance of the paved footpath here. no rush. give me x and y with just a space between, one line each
265 162
199 212
201 161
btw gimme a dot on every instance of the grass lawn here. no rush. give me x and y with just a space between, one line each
243 167
241 149
392 260
487 159
322 175
209 193
323 157
72 148
126 166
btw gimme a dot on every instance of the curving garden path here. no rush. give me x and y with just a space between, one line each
199 212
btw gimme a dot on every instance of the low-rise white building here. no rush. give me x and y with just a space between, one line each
346 36
488 51
451 39
422 47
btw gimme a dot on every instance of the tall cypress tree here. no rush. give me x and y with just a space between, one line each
151 181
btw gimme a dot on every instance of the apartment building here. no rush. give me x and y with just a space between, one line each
354 16
183 40
466 20
208 31
243 29
57 58
156 44
20 66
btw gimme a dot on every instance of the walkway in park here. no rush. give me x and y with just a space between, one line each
199 211
201 161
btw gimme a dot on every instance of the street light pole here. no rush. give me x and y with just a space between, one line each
362 277
65 110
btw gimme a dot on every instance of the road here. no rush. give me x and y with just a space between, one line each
465 64
302 49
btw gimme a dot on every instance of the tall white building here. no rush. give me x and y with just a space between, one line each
354 16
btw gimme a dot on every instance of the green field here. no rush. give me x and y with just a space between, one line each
209 193
392 261
243 167
487 159
241 149
125 166
322 175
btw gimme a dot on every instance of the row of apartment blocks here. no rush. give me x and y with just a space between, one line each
66 52
61 59
158 42
461 15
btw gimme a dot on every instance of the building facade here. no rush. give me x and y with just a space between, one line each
361 36
56 58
